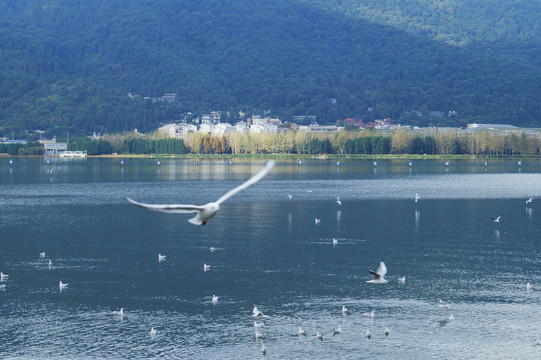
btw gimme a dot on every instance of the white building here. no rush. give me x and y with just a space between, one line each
222 128
206 128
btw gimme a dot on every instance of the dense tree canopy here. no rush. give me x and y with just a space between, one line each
69 65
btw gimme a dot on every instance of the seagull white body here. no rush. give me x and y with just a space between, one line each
152 331
338 330
302 332
3 276
497 220
50 264
443 305
529 287
368 333
289 197
42 255
338 201
258 335
529 200
387 332
257 313
317 221
207 211
61 285
379 274
369 315
3 287
417 197
402 280
319 335
214 299
334 241
161 257
451 317
206 267
345 311
212 249
119 313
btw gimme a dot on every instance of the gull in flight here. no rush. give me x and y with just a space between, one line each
161 257
334 241
42 255
257 313
497 219
3 276
289 197
206 267
119 313
214 299
207 211
152 331
402 280
302 332
338 201
345 311
317 221
529 200
379 274
62 285
417 197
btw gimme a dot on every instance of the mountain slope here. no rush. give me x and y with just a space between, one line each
70 64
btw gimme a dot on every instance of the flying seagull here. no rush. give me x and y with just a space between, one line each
529 200
379 274
417 197
207 211
497 219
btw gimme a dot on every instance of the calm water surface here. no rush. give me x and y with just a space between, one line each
270 253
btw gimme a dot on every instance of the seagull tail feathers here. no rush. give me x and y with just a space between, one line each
196 220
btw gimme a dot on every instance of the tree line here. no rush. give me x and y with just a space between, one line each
302 143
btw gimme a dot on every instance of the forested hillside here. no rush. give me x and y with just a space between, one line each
69 65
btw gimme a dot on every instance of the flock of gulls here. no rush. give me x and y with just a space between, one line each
206 212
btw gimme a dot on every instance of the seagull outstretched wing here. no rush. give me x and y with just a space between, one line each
260 175
168 208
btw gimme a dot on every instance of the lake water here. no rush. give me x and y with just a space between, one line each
270 253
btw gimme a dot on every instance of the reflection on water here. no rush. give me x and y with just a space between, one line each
269 253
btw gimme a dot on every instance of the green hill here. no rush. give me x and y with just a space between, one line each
69 65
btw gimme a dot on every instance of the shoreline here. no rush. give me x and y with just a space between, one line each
295 156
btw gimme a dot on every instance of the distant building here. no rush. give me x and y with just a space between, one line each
55 149
170 97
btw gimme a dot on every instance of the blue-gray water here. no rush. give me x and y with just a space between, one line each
270 253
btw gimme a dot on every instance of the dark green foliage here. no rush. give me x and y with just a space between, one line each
70 64
92 147
31 148
162 146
